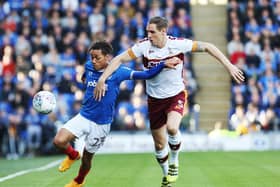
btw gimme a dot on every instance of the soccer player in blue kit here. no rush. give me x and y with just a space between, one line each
95 117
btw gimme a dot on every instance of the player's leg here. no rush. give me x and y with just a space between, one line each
161 152
95 139
161 149
158 117
74 128
174 117
83 171
174 141
62 141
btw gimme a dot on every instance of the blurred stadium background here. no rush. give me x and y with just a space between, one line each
43 45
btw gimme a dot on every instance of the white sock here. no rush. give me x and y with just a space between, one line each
162 158
174 144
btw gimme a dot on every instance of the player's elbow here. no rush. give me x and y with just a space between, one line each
208 46
125 57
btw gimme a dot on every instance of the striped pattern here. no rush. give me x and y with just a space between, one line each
165 183
173 173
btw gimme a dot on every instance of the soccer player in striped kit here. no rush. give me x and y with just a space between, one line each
166 95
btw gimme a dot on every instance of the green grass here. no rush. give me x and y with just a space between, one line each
197 169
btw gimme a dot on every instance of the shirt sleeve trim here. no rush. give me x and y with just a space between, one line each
131 53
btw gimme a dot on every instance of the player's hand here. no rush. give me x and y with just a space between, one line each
99 90
173 62
236 74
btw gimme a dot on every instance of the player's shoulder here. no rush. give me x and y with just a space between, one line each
120 72
123 68
144 41
176 39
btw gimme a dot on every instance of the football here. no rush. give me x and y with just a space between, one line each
44 102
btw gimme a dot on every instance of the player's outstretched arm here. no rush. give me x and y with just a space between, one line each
235 72
100 89
147 74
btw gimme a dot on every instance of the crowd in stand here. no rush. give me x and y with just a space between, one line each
253 36
43 46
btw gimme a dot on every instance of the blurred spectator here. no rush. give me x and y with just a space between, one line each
238 121
127 8
96 20
155 9
4 122
253 116
70 5
34 131
235 48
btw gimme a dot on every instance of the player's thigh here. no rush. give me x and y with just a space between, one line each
159 136
96 137
173 122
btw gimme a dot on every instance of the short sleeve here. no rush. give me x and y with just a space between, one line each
185 45
139 47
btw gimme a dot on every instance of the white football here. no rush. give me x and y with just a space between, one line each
44 102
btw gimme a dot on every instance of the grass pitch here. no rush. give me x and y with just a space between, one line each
197 169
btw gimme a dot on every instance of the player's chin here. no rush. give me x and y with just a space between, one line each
97 68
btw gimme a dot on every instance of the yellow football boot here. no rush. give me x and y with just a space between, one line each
173 172
73 183
67 162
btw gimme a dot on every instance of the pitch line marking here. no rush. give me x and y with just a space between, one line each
23 172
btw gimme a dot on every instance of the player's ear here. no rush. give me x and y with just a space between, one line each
164 30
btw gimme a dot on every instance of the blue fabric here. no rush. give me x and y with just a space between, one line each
148 74
102 112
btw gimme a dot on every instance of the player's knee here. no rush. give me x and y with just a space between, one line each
172 130
59 141
159 146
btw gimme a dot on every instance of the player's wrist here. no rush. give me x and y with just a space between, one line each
101 79
163 63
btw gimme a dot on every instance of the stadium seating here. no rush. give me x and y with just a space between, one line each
253 44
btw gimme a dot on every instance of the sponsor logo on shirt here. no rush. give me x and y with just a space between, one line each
94 83
152 64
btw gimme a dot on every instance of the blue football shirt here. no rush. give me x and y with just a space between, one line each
101 112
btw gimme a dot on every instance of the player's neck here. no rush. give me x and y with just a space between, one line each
163 42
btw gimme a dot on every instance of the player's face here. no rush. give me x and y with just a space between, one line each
99 60
156 37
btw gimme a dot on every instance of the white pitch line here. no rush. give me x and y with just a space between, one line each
43 168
